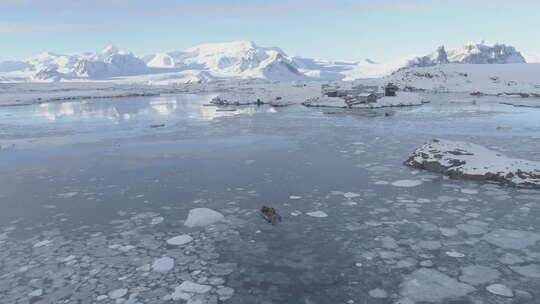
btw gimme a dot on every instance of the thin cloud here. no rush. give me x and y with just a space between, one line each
34 28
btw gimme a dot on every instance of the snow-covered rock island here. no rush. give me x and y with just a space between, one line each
471 161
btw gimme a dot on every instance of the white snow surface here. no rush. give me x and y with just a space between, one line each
473 161
485 78
202 217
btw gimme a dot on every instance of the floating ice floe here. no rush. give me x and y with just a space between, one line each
477 275
188 289
118 293
295 197
378 293
317 214
180 240
466 160
511 259
157 220
500 290
512 239
469 191
201 217
530 271
430 245
225 293
388 243
428 285
406 183
164 264
67 194
36 293
471 229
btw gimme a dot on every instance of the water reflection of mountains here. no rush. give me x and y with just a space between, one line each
118 111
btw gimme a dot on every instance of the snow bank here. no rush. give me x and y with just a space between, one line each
460 159
492 79
201 217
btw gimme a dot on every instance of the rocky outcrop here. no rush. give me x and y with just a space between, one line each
465 160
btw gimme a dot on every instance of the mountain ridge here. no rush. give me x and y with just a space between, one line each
237 59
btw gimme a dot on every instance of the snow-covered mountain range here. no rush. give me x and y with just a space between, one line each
239 59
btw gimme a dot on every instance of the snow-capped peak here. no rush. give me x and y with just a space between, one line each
110 50
483 52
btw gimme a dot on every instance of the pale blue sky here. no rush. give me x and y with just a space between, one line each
376 29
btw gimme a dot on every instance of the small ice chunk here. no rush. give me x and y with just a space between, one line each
118 293
36 293
448 232
476 274
101 298
180 240
296 213
389 243
378 293
69 258
469 191
454 254
42 243
317 214
163 264
144 268
295 197
350 195
216 281
192 287
512 239
201 217
426 263
67 194
157 220
500 290
430 245
222 269
225 293
407 183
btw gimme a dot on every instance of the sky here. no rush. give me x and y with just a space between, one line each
334 30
